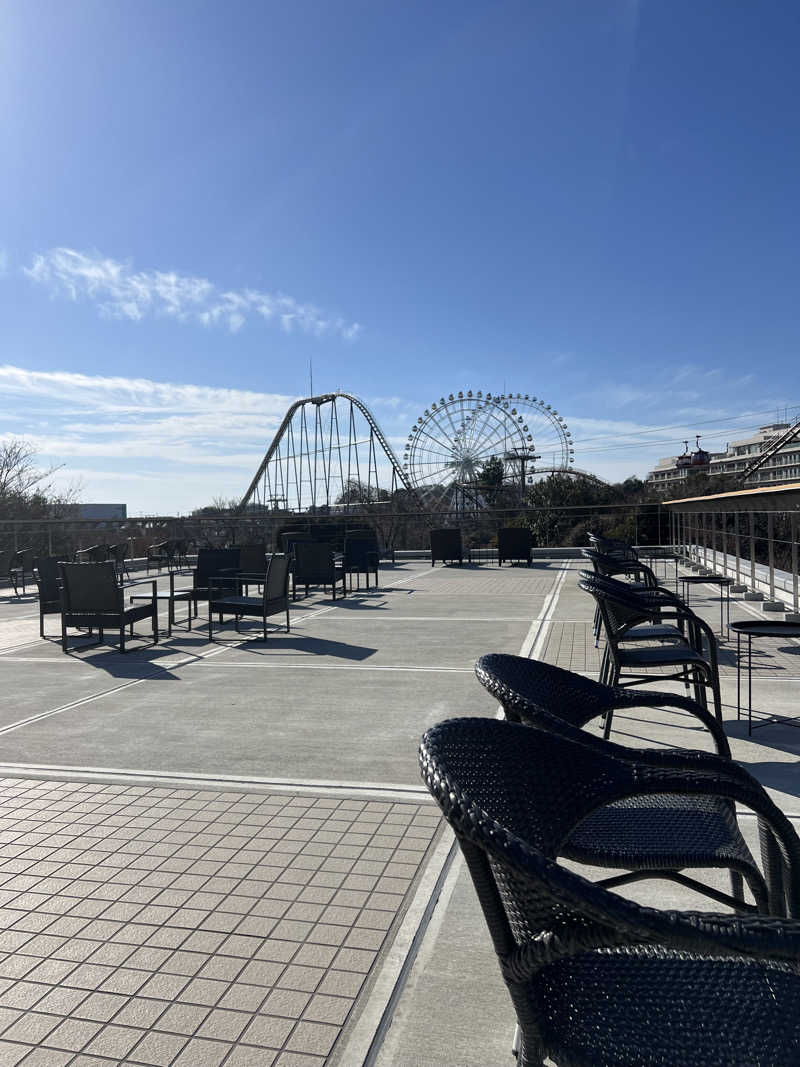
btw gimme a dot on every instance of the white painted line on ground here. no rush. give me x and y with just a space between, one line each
540 627
273 665
416 793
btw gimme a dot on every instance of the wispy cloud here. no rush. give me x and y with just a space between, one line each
121 292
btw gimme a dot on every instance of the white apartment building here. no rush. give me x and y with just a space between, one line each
781 468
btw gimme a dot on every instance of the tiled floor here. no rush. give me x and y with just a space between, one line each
192 928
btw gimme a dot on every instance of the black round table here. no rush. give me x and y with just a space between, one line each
688 580
754 629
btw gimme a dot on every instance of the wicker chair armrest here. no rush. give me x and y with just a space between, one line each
625 698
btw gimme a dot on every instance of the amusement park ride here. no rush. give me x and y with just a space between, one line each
329 453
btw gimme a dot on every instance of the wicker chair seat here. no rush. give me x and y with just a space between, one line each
664 831
248 605
638 1007
108 619
662 656
653 633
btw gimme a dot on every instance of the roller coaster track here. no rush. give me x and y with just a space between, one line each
399 478
772 449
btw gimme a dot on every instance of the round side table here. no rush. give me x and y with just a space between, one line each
753 630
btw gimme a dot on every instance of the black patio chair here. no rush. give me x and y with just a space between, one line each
654 836
316 564
597 980
92 597
294 537
10 570
446 545
162 554
361 556
514 544
48 582
629 666
225 600
211 563
118 554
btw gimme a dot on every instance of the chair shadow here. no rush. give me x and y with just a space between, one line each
127 665
281 642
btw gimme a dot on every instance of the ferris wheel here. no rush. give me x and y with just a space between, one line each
457 435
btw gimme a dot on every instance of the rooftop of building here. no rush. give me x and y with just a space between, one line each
222 854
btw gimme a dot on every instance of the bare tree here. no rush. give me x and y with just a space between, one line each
24 486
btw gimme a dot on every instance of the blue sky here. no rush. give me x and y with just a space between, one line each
592 201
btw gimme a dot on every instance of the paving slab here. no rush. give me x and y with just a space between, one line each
160 926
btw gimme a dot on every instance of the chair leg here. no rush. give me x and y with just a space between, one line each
155 621
287 617
210 621
122 638
63 635
41 622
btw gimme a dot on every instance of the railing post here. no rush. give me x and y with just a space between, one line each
753 552
713 535
705 541
771 554
737 548
793 535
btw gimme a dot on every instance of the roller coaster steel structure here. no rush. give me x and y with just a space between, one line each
333 455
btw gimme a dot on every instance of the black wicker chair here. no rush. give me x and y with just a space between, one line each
211 563
629 666
11 571
118 554
597 980
514 544
654 836
223 600
361 556
91 597
446 545
48 582
316 564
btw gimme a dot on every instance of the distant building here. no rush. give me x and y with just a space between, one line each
783 467
98 512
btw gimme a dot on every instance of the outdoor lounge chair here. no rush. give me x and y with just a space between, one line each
224 600
91 597
10 570
514 544
446 545
361 556
316 565
48 582
211 563
597 980
118 554
653 836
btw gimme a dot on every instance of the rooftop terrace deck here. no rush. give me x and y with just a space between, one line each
221 854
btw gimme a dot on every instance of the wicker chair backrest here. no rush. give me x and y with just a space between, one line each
312 561
532 691
211 561
513 539
550 698
91 588
276 586
293 537
618 604
446 542
360 550
253 557
47 577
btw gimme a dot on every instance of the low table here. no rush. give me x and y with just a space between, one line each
755 629
688 580
172 597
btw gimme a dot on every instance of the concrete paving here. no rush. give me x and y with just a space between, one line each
309 743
